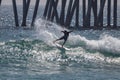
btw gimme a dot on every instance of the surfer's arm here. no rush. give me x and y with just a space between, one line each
62 31
70 31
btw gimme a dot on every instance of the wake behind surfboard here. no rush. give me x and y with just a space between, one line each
60 46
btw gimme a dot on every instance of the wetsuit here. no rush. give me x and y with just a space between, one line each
65 37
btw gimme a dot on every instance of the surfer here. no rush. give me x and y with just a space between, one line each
65 37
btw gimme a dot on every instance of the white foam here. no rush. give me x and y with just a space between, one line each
48 32
107 43
2 43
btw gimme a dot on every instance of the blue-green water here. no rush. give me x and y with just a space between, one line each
31 55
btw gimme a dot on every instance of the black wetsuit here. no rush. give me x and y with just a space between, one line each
65 37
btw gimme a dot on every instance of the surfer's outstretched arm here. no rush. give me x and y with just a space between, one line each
70 31
67 31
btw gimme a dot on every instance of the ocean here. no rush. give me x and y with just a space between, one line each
31 54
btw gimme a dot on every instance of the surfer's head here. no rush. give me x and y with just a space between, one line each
65 31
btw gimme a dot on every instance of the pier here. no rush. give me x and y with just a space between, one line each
70 10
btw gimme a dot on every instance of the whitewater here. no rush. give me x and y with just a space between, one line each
31 54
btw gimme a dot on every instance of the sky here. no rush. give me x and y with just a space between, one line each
42 2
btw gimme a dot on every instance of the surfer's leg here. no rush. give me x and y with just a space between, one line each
65 39
64 42
58 39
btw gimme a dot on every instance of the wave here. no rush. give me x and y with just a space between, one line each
105 43
39 51
37 45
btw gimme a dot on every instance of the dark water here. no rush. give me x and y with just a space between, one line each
31 55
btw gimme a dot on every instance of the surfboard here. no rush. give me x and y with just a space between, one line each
60 46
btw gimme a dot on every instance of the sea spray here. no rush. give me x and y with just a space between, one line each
106 44
48 32
86 46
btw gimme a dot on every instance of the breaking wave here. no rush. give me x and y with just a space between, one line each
37 45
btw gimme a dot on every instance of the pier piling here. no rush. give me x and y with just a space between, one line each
46 8
100 14
84 12
0 2
15 13
54 12
69 12
26 4
115 14
109 14
94 7
35 12
49 10
62 14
